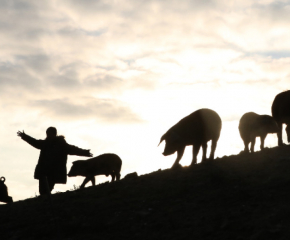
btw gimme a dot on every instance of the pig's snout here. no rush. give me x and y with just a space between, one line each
166 153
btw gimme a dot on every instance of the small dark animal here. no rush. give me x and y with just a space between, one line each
196 129
105 164
253 125
281 114
4 192
132 175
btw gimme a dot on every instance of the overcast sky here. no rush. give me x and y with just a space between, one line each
114 76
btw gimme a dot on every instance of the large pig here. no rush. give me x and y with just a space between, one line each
196 129
253 125
105 164
4 192
281 113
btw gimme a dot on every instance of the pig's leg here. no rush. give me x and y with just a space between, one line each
113 176
253 141
213 148
93 180
195 150
279 134
246 143
262 141
179 156
204 148
87 179
118 176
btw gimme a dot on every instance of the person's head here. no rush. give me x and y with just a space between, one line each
51 132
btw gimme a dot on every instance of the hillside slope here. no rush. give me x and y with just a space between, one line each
246 196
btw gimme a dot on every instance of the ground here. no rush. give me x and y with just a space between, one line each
245 196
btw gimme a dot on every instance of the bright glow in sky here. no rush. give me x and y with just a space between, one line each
115 76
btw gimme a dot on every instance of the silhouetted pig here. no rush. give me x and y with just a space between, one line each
253 125
196 129
281 113
105 164
4 192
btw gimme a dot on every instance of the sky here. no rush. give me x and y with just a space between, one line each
114 76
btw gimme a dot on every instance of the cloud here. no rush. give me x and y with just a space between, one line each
57 44
14 77
99 48
106 81
104 110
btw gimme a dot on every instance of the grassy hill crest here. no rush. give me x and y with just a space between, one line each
243 196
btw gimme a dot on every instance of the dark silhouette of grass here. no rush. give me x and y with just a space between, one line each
235 197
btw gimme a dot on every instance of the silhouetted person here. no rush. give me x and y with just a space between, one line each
51 166
4 192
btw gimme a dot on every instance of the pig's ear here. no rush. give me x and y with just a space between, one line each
162 138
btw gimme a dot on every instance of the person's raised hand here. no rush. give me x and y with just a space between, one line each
21 134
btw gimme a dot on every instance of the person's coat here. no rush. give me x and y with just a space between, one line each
53 157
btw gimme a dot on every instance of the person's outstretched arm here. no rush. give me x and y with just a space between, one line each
32 141
73 150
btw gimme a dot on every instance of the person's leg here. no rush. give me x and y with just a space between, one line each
45 185
51 184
